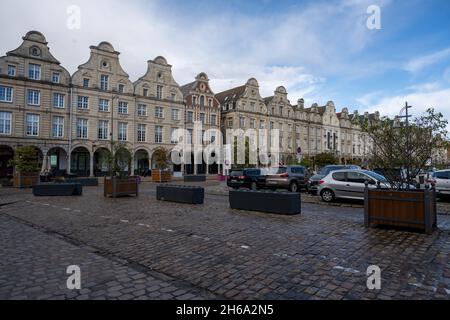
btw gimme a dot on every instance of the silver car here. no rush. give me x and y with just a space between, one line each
349 184
441 181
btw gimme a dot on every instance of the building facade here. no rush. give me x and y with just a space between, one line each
202 122
302 131
74 121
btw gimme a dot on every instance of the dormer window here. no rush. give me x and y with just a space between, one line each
159 76
86 83
105 64
34 71
121 88
12 71
145 92
55 77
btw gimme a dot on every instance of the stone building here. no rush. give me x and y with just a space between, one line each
34 104
201 107
302 131
74 121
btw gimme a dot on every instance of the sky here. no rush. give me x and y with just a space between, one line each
319 50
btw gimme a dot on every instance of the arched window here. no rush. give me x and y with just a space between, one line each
202 101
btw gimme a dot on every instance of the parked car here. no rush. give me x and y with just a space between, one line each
292 178
253 179
349 184
441 181
314 180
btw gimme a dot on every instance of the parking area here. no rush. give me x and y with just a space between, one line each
210 251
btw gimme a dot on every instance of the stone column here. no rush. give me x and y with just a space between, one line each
91 165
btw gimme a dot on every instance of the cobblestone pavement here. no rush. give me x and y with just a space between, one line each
212 251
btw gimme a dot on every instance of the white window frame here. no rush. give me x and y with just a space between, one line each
58 127
122 132
142 110
104 82
102 106
103 129
123 107
13 69
214 119
58 100
159 134
83 102
34 101
141 132
175 114
34 71
5 123
159 112
174 138
8 93
32 125
159 92
82 128
56 76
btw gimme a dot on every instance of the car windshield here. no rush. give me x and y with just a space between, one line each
279 170
376 176
236 173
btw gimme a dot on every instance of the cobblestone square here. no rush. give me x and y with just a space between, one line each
139 248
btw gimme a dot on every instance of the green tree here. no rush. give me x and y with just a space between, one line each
161 157
325 158
119 159
398 146
26 160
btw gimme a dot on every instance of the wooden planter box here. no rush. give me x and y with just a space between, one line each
58 190
287 203
410 209
115 187
195 178
161 176
26 180
181 194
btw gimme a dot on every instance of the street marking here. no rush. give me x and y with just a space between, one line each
124 221
346 269
245 247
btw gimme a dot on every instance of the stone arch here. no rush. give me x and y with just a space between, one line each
80 158
101 163
142 162
56 159
6 155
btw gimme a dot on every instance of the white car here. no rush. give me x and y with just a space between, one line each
441 181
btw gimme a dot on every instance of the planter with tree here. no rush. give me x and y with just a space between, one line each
401 148
161 173
26 167
119 182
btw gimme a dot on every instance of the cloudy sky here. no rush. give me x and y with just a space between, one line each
319 50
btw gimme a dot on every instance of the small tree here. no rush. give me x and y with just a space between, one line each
119 160
325 158
306 161
161 157
399 146
26 160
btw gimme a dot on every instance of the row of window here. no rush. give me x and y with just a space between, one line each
105 86
32 129
34 73
34 99
201 118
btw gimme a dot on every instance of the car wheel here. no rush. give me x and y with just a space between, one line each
253 186
327 195
293 187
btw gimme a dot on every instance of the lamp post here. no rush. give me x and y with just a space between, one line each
406 116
